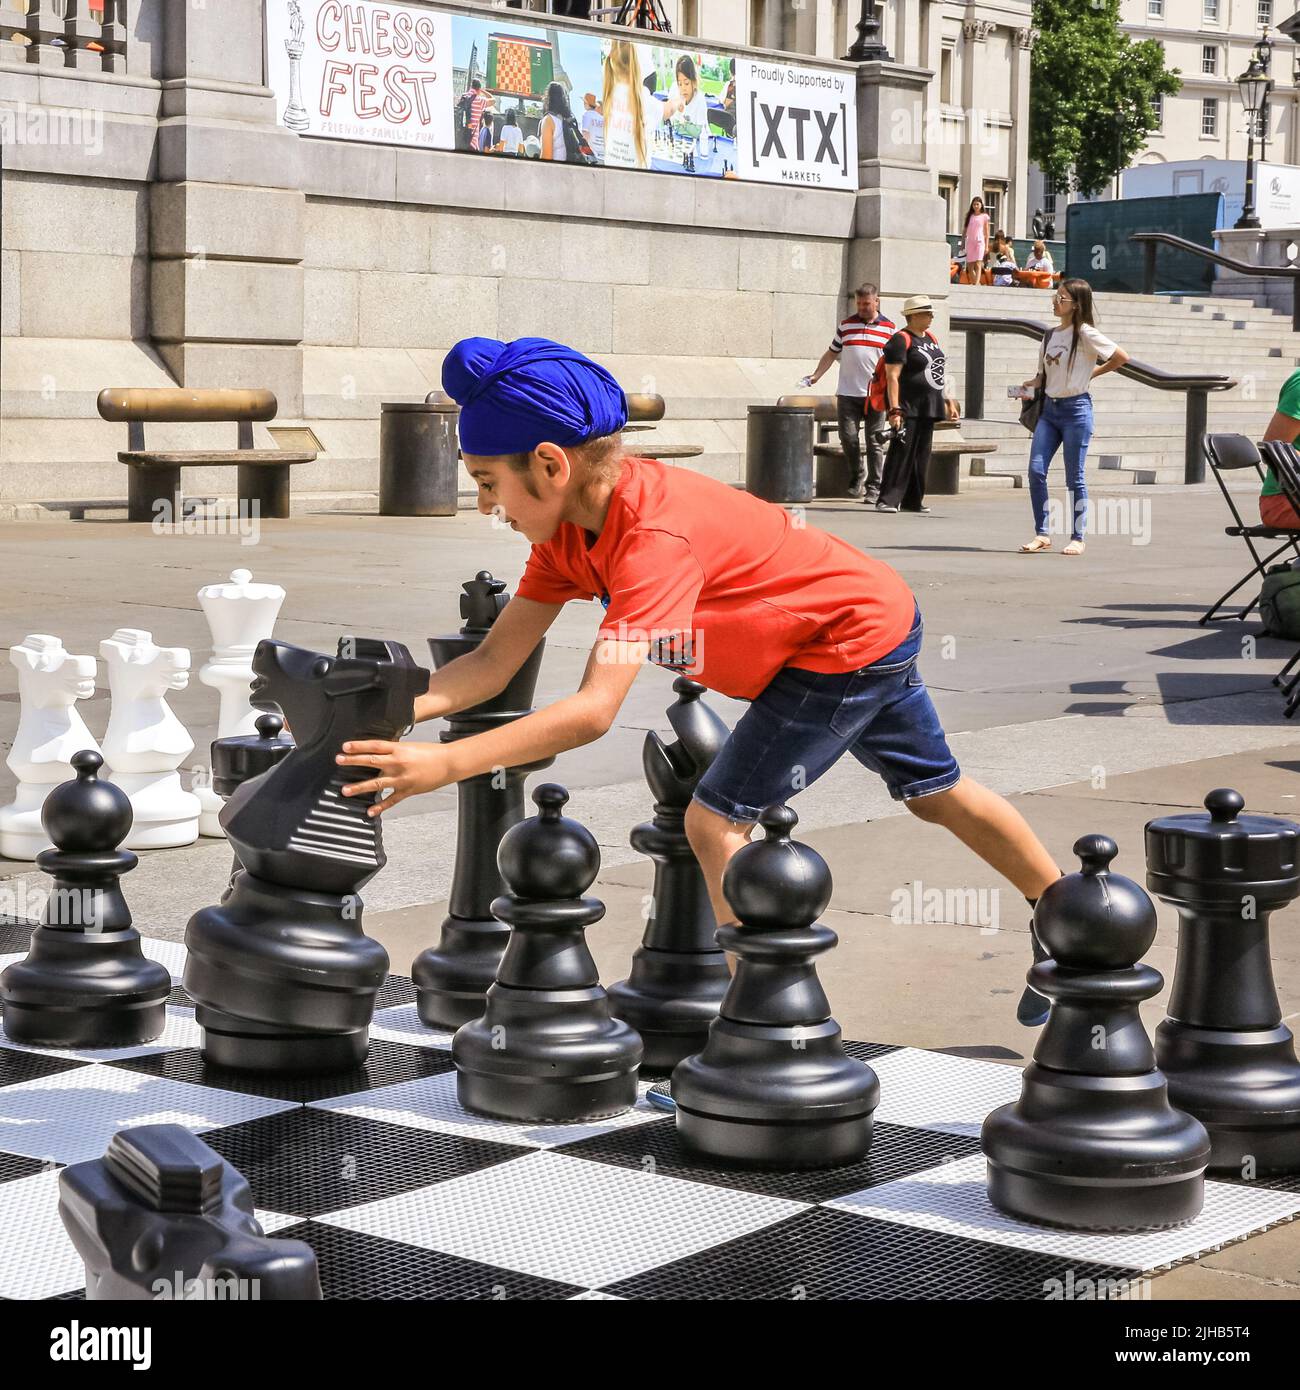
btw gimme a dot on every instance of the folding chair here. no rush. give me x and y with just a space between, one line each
1285 463
1232 451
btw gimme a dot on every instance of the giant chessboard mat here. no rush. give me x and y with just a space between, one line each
404 1195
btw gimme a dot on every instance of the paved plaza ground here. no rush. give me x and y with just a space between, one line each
1084 689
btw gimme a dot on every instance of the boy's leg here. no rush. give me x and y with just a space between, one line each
714 839
989 825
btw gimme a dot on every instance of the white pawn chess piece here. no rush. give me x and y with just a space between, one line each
145 742
240 614
50 730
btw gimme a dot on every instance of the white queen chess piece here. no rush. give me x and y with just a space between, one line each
145 742
50 730
240 614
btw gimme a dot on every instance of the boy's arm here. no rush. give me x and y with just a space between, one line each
486 671
406 769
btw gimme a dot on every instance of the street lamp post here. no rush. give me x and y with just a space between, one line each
867 47
1254 85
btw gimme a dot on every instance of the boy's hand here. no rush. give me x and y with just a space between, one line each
405 769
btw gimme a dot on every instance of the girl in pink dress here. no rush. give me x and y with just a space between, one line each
975 238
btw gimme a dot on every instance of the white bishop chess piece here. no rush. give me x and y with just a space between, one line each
50 730
240 614
145 742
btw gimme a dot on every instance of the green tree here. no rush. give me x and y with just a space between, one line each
1092 92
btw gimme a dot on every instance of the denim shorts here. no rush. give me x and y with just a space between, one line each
802 722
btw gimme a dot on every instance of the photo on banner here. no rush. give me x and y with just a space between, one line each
691 110
524 91
376 72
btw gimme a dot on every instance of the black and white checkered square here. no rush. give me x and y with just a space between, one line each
404 1195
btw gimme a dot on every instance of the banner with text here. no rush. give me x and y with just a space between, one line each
610 97
371 71
797 124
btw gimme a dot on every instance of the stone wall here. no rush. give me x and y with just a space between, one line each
200 243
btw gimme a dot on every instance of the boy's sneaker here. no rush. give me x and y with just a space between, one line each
1033 1007
660 1095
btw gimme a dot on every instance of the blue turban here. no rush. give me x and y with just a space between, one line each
515 396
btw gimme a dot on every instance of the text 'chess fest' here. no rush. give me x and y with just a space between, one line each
375 33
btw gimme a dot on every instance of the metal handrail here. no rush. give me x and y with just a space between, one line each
1197 385
1152 241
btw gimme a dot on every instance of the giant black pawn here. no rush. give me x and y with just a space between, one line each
546 1047
1093 1142
679 975
85 982
1229 1057
772 1087
452 977
162 1215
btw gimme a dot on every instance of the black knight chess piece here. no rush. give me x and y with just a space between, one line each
452 978
546 1047
679 973
85 981
162 1215
283 977
773 1087
1228 1055
1093 1142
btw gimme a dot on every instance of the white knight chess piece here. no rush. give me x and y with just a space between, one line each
240 614
50 730
145 742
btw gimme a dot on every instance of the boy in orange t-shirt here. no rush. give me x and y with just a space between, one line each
821 638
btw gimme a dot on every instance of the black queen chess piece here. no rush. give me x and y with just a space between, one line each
163 1215
85 981
241 757
1093 1143
283 978
773 1087
547 1047
1229 1058
679 973
452 978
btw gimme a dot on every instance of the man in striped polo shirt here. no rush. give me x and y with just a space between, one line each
857 345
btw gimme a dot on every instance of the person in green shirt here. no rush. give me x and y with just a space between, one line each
1274 509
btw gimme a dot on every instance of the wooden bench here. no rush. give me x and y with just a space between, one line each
942 477
154 476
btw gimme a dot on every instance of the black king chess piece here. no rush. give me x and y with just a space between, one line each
164 1215
1229 1057
452 978
773 1087
679 973
282 975
85 981
546 1047
1093 1142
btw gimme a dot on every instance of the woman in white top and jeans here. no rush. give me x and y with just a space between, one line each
1071 355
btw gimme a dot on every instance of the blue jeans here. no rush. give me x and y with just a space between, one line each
1066 420
802 722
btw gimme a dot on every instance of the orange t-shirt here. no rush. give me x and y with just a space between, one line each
728 589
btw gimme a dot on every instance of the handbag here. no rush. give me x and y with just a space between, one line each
1032 409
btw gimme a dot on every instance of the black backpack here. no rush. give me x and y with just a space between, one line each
576 148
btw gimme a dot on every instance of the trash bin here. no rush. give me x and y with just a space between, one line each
779 453
418 458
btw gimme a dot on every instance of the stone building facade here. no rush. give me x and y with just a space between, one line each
160 227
